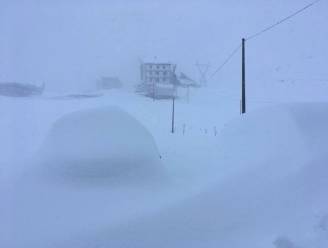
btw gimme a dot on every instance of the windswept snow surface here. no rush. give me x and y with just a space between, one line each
224 181
273 193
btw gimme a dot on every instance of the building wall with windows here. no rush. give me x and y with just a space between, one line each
154 73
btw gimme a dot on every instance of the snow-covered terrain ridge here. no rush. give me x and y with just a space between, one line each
100 143
266 190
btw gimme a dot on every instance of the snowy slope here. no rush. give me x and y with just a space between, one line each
39 211
278 198
230 181
260 180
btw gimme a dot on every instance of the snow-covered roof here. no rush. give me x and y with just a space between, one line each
156 60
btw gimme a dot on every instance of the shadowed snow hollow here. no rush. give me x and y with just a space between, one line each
100 143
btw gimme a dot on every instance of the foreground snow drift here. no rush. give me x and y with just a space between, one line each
275 196
97 168
100 143
285 136
268 189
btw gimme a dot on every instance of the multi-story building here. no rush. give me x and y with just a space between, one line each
157 73
158 80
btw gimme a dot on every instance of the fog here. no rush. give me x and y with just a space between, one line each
69 44
172 162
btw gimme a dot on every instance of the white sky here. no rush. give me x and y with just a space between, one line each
69 44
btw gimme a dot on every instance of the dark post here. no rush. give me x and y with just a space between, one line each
243 84
153 91
173 99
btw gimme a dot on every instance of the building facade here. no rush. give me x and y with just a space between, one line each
158 80
157 73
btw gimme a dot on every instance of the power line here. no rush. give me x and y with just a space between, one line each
282 20
226 60
260 33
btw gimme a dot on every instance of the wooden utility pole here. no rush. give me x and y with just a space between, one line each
243 83
173 99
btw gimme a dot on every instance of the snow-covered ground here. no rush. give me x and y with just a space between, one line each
222 180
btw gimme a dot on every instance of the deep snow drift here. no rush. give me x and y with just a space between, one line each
103 144
275 196
259 183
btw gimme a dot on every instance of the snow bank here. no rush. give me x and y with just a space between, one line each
97 168
274 197
275 135
100 143
269 191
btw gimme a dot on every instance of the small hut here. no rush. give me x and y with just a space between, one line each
15 89
108 83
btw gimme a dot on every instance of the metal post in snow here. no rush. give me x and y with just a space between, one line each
243 84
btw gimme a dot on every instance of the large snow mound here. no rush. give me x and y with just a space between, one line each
104 142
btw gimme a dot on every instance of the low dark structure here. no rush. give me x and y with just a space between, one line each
108 83
14 89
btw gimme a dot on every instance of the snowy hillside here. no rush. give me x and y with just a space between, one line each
275 198
84 168
260 179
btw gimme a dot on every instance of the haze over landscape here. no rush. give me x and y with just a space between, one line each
71 43
97 151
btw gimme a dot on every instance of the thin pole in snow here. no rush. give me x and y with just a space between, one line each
243 83
173 99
